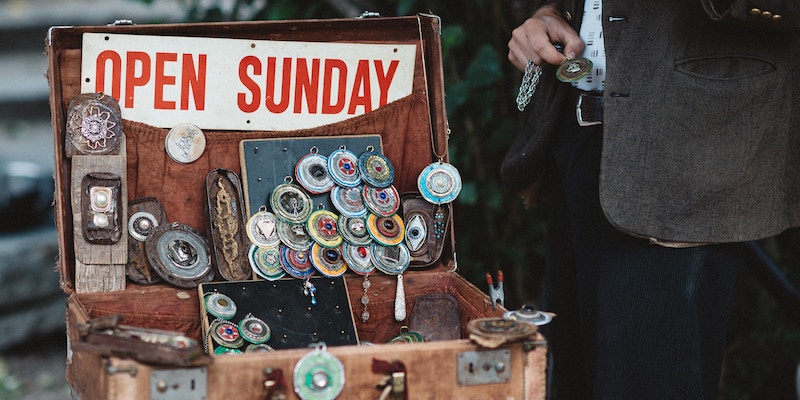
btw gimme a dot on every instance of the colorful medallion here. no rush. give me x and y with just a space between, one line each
318 375
343 167
94 125
439 183
388 231
383 202
266 262
290 203
322 226
328 261
376 170
226 334
311 172
358 258
296 263
222 350
254 330
354 231
349 201
573 69
262 229
220 305
258 348
294 235
391 260
140 224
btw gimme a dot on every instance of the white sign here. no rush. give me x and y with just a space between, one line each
239 84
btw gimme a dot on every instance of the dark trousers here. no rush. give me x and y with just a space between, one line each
634 320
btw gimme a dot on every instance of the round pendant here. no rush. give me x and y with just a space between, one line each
258 348
500 329
185 143
343 167
388 231
328 261
349 201
179 254
382 201
354 230
262 229
290 203
94 126
439 183
407 336
318 375
311 172
296 263
294 235
358 258
226 334
254 330
416 232
573 69
266 262
530 315
376 170
140 224
322 226
391 260
221 350
220 305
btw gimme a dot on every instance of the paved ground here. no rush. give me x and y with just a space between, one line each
36 370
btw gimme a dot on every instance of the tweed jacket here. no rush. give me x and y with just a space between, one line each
701 124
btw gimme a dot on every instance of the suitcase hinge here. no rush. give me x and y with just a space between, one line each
369 14
482 367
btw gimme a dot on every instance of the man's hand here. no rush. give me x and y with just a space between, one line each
533 40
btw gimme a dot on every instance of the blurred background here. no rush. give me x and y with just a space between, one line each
495 230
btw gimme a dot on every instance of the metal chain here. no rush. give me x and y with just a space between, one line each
528 86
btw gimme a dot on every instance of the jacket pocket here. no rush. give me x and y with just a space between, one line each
725 67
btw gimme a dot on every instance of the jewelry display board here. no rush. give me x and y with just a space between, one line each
292 319
267 162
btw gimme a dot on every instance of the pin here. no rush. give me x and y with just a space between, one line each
185 143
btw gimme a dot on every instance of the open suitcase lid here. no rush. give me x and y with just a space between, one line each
412 137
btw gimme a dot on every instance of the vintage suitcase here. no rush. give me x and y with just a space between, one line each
115 327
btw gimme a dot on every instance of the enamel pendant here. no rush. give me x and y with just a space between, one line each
311 172
439 183
376 170
382 201
262 228
328 261
266 262
573 69
290 203
343 167
349 201
323 227
318 375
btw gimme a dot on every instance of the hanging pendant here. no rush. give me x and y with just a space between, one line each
358 258
439 183
322 226
266 262
290 203
294 235
376 170
382 201
365 299
318 375
400 300
296 263
310 290
328 261
354 231
311 172
254 330
573 69
262 228
220 305
349 201
226 334
388 231
343 167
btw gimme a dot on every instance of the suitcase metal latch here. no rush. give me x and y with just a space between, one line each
183 383
480 367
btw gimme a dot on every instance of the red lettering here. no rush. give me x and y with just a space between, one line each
131 79
361 95
273 107
255 91
162 80
385 80
194 79
306 82
328 107
116 72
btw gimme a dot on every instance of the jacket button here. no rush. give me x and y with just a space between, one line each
568 16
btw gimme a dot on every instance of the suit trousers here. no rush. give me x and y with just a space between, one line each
634 320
